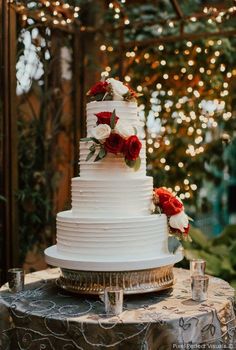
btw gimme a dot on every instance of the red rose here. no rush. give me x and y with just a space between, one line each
105 118
162 194
132 148
98 88
114 143
171 206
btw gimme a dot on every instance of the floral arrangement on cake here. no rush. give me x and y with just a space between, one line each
111 89
112 135
165 202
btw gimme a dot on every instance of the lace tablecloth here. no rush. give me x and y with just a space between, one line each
43 317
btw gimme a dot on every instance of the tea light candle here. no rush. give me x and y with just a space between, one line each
199 286
16 278
197 267
113 299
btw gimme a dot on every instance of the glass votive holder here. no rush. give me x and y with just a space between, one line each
197 267
113 299
199 286
16 279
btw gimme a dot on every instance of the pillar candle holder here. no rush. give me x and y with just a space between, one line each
16 279
197 267
199 286
113 299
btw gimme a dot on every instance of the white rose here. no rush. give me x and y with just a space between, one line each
101 132
179 221
124 129
118 88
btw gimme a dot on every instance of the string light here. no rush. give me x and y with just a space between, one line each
199 121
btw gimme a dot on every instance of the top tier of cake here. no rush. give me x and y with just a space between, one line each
126 111
112 166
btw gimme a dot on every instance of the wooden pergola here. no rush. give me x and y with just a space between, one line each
83 41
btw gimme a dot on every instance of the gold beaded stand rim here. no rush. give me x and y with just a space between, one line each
132 282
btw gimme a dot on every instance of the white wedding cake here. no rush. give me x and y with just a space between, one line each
111 225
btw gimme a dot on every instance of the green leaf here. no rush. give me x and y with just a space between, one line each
89 156
86 139
97 97
135 164
113 119
92 148
135 131
95 140
102 153
129 163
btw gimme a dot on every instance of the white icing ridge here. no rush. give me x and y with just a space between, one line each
112 239
126 111
112 166
112 197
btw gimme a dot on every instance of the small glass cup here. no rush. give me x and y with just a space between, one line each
16 280
113 299
199 286
197 267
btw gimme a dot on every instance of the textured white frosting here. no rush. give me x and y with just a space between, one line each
112 166
112 239
112 198
110 220
126 111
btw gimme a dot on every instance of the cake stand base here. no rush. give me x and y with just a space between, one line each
132 282
92 277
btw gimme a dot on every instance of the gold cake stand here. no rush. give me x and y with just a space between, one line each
86 277
132 282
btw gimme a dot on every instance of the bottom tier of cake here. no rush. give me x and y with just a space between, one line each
112 239
130 252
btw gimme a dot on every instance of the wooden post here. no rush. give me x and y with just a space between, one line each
78 95
9 176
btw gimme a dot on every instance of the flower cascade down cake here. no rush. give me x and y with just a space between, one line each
117 222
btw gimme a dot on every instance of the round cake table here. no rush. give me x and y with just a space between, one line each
44 317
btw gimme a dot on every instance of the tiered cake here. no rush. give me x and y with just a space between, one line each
111 227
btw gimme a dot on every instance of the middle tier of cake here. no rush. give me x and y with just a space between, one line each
114 198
